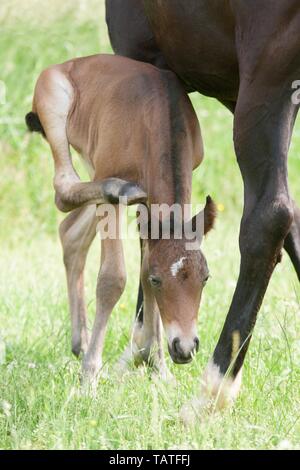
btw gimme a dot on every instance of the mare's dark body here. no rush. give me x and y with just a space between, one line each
247 55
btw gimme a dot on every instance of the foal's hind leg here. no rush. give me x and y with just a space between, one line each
292 241
53 101
54 96
77 232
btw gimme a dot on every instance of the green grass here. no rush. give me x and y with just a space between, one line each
41 406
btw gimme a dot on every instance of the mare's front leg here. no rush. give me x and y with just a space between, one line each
110 286
292 241
262 138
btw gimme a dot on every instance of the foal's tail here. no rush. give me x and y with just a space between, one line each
34 124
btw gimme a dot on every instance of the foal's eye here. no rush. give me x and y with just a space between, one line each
155 281
206 280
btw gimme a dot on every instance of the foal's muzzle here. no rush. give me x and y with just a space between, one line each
181 353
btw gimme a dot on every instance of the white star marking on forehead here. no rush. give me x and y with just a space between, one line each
175 268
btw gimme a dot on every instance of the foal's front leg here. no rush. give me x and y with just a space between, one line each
146 345
110 286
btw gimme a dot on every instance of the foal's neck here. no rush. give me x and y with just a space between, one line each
169 156
169 171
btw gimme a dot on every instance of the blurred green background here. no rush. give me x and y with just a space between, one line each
40 402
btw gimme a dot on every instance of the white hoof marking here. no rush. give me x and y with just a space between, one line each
217 392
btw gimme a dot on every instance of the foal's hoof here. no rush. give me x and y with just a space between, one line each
76 349
92 378
88 385
91 375
80 346
194 410
114 189
165 375
126 361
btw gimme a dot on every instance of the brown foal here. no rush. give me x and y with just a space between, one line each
136 129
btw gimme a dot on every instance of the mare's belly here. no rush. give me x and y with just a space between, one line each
197 40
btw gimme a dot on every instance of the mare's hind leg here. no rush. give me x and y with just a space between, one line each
292 241
77 232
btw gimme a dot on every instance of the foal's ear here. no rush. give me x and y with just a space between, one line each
210 215
205 218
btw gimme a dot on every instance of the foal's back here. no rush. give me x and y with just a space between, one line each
120 106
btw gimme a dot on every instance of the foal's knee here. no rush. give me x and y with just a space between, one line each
62 203
70 247
119 280
67 246
111 283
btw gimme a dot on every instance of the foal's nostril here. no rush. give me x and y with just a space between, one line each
176 346
182 353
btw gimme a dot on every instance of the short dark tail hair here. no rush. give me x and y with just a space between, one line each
34 124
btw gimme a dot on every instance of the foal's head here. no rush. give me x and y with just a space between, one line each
176 271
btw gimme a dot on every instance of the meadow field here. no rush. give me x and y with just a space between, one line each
41 406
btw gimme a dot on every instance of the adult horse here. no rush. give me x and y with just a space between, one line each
247 55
